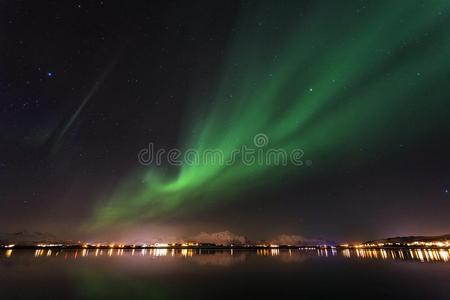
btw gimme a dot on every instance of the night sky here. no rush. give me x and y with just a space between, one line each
361 87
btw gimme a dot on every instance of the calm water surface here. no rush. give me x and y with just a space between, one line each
224 274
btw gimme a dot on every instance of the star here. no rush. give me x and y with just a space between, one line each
49 74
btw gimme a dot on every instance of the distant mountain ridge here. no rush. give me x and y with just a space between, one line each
411 239
28 238
223 238
220 238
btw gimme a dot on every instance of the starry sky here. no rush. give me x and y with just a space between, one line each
361 87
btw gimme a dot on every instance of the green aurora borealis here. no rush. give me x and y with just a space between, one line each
326 77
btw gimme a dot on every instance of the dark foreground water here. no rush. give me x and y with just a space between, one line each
208 274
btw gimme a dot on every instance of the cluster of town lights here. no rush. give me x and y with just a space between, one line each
415 244
156 245
430 244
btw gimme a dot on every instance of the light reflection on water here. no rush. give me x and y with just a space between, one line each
419 255
422 255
